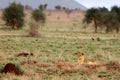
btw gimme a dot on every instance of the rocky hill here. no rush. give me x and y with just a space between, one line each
71 4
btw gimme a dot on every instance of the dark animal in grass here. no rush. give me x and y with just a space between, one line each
11 68
92 39
98 39
24 54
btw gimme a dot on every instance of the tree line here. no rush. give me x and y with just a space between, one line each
103 18
13 16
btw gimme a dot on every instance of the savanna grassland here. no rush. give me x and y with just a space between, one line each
54 53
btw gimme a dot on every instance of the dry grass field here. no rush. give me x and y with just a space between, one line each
54 54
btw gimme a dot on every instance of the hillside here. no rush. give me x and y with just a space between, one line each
71 4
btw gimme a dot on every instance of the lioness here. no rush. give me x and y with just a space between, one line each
81 60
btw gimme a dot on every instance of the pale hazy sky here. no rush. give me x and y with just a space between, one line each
99 3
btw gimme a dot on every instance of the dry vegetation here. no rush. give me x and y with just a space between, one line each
53 56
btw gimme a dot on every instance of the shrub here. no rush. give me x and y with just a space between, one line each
38 16
13 15
38 21
43 7
58 7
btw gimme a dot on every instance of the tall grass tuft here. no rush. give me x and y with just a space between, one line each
34 29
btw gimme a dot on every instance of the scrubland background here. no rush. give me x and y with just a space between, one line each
54 52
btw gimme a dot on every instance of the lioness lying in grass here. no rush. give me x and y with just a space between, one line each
82 60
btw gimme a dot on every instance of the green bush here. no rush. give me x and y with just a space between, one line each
58 7
38 16
13 15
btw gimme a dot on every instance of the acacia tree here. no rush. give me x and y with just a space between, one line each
116 9
103 18
109 21
28 7
58 7
92 15
43 7
13 15
103 9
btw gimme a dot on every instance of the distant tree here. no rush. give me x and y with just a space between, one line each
77 9
13 15
58 7
103 9
64 8
110 21
103 18
43 7
116 9
38 16
27 7
92 15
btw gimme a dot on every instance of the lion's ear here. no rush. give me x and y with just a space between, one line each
82 53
